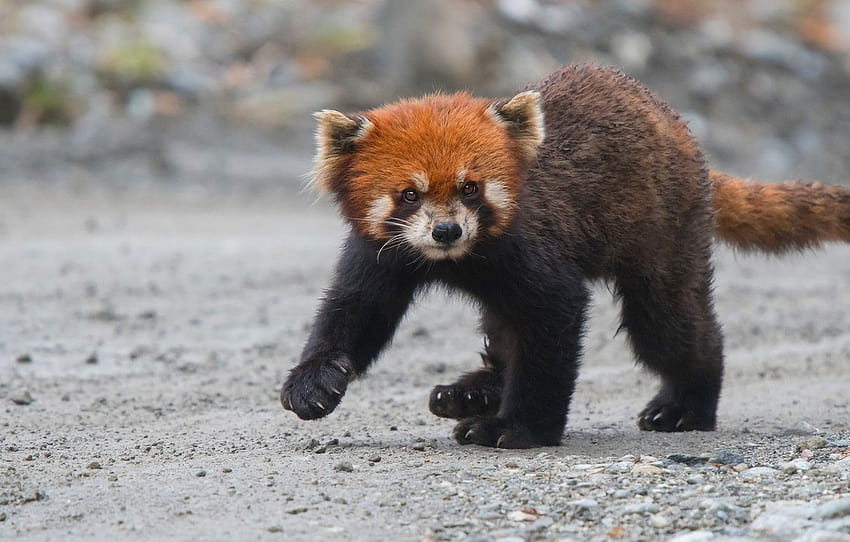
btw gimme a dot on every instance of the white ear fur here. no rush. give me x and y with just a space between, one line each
522 116
336 136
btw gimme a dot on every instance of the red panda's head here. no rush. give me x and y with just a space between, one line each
433 174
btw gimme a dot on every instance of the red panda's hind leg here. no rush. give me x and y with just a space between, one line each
674 332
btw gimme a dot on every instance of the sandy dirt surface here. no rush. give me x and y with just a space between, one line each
149 336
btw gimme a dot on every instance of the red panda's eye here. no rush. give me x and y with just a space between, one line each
410 196
469 188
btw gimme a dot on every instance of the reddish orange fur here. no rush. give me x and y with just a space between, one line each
779 217
438 135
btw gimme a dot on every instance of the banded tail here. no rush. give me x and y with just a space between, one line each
779 217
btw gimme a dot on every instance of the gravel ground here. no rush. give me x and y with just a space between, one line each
144 337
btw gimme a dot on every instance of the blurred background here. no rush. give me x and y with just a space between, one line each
216 95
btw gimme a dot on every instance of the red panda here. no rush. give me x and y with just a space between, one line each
519 203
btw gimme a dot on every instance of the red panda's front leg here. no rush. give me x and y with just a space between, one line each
546 317
357 318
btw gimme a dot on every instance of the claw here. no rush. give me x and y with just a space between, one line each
439 396
467 435
336 391
486 401
289 400
469 396
499 442
320 405
656 417
680 422
341 368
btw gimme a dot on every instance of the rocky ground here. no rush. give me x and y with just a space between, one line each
145 335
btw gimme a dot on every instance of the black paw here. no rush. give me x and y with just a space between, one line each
457 401
499 433
670 416
315 388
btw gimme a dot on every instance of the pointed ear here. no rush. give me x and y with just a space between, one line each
336 137
522 117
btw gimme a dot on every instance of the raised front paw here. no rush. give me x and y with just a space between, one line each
669 416
499 433
457 402
315 388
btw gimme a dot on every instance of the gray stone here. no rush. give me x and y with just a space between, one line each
584 504
21 397
726 457
344 466
797 465
658 521
813 443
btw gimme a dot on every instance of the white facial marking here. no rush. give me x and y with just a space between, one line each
498 195
379 211
420 181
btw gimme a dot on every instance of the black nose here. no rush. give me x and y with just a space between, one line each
446 232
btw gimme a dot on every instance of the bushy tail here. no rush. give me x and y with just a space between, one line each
779 217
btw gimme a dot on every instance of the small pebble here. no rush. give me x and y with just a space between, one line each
275 529
201 473
658 521
375 459
523 515
689 460
344 466
94 465
2 516
112 478
419 447
92 359
24 358
22 397
646 468
796 465
758 472
695 480
226 470
813 443
802 428
584 504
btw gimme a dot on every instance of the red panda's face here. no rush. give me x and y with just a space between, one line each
432 175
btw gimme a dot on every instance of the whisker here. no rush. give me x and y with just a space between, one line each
398 238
